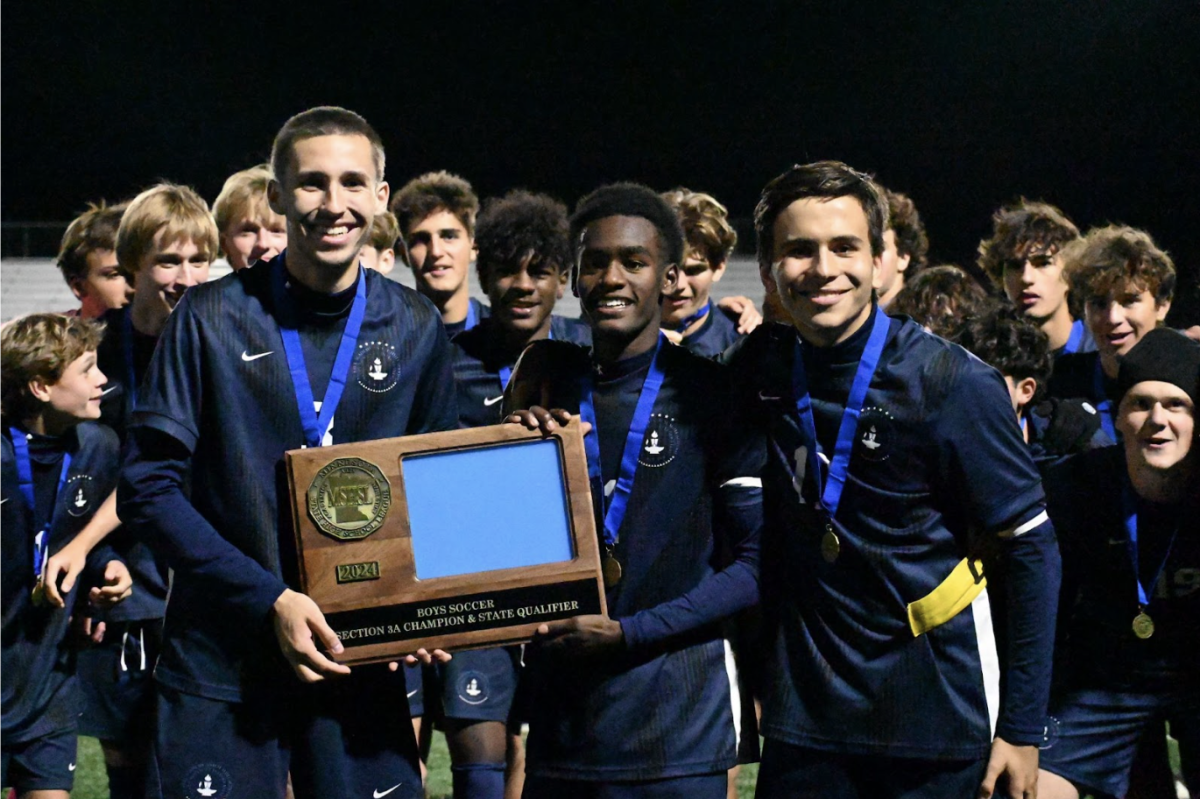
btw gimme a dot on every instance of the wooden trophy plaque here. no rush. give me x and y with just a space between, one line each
456 540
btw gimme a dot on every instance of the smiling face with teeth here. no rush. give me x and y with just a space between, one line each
1157 423
822 268
622 276
329 194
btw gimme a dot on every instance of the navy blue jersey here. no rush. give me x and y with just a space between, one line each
478 359
937 468
477 309
714 336
689 550
1074 377
219 399
38 689
1100 650
122 343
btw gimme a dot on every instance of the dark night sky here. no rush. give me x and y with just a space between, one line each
1092 105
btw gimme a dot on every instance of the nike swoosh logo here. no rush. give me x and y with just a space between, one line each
71 767
247 357
765 398
105 391
410 694
488 402
380 794
2 501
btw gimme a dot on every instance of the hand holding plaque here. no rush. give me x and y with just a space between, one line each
451 540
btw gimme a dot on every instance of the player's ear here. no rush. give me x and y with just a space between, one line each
877 271
78 288
767 278
1025 389
39 389
275 197
718 271
387 261
670 279
562 283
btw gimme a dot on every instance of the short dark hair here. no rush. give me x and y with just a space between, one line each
433 192
1019 228
631 199
326 120
1101 262
911 239
1011 342
943 299
519 223
823 179
93 230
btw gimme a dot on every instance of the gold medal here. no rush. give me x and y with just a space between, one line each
611 568
1143 625
831 545
39 594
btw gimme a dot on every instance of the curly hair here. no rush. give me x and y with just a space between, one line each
522 223
93 230
911 239
1022 229
40 347
1012 343
1102 262
705 224
433 192
631 199
823 179
942 299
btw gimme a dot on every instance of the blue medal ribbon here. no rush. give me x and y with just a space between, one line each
839 467
696 317
472 316
1103 403
615 513
1075 339
41 539
1129 506
314 425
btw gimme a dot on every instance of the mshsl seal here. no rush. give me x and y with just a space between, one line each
349 498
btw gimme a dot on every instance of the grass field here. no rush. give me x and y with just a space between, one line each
91 783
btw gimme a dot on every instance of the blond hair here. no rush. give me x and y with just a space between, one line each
177 211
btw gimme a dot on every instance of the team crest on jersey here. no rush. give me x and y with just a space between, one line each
207 781
661 442
875 434
377 366
79 494
473 688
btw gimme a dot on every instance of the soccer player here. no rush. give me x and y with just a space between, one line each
250 231
165 244
88 260
1126 284
1126 516
1023 259
641 703
379 253
905 247
436 212
1019 350
233 385
58 468
524 258
894 459
687 311
942 299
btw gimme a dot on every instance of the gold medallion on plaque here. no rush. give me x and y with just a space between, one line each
349 498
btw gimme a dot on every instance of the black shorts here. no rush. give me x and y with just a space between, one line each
479 684
117 683
43 764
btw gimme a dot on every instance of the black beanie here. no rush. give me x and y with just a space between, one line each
1163 355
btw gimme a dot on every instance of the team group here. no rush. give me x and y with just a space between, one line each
923 540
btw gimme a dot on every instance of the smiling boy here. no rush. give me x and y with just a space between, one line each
232 386
58 468
893 457
641 703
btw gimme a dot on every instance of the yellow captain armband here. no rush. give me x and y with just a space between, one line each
943 603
